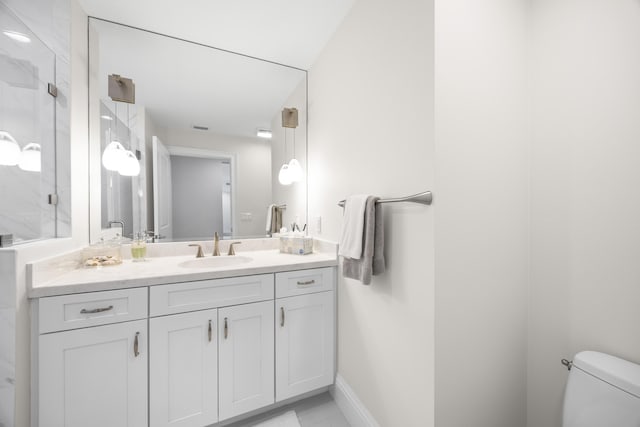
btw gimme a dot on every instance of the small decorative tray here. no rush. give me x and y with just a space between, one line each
102 261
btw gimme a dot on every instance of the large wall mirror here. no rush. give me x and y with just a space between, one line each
193 132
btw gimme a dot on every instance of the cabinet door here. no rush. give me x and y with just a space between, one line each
94 377
183 367
246 358
304 343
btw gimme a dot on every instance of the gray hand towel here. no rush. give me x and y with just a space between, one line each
372 259
276 219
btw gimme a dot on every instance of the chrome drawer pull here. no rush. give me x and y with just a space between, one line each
96 310
209 332
308 282
282 317
136 353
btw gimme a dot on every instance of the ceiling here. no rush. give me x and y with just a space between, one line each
291 32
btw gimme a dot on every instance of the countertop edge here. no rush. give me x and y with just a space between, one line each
67 289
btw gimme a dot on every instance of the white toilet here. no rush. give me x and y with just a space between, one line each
602 391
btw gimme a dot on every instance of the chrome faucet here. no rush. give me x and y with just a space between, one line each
199 254
216 244
231 250
118 222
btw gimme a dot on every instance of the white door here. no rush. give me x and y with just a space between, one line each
304 343
183 368
246 358
94 377
162 198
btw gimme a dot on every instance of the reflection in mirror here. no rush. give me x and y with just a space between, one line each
194 131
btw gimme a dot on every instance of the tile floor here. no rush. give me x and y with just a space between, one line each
316 411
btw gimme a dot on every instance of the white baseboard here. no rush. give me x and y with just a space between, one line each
354 411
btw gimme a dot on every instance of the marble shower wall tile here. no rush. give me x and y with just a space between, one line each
7 364
7 278
7 335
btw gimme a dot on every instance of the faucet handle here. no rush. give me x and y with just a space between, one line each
199 254
232 251
216 244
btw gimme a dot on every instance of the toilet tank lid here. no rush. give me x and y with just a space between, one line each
613 370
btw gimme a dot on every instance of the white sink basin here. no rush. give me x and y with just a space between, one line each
214 262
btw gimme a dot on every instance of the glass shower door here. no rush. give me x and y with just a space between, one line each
27 133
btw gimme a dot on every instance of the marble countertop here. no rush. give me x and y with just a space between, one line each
161 270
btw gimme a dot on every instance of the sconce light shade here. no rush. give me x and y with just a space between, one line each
130 166
9 149
113 156
284 177
295 171
30 158
16 36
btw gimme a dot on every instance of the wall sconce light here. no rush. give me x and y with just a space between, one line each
117 158
113 156
121 89
16 36
9 149
130 165
30 159
295 170
292 170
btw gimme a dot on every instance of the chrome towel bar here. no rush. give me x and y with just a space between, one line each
424 198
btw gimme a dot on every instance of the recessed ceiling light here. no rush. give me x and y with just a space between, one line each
264 133
106 117
19 37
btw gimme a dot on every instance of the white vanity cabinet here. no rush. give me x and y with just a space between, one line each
217 349
246 358
213 364
304 331
183 369
96 375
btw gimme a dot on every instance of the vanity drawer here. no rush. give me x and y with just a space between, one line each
204 294
300 282
66 312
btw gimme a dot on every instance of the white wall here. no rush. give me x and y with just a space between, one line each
481 206
371 131
585 200
251 179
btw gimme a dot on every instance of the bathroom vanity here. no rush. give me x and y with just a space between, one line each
193 348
